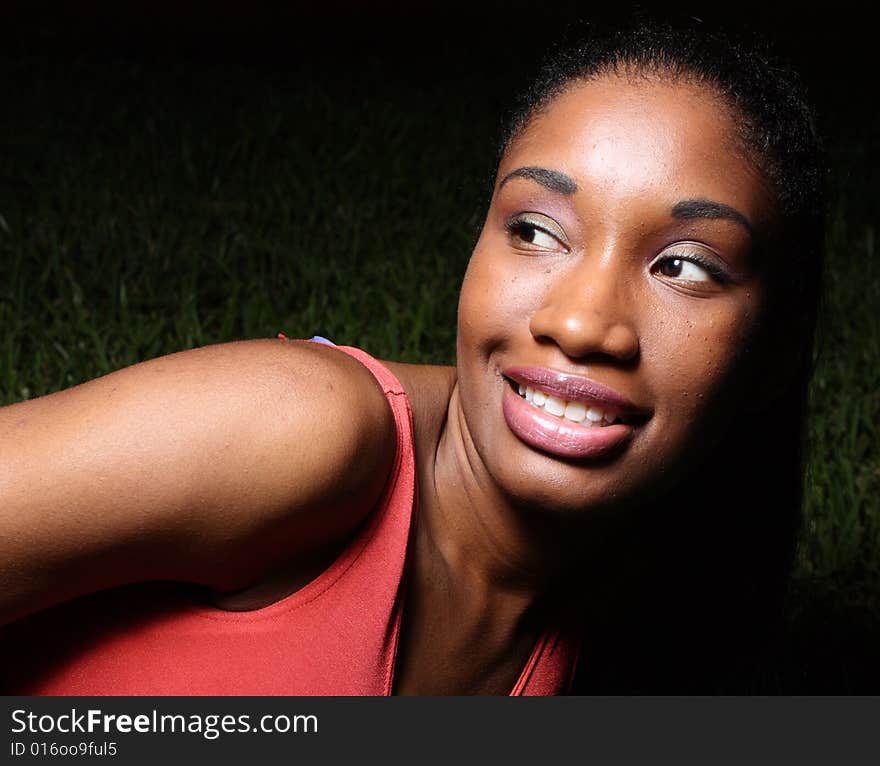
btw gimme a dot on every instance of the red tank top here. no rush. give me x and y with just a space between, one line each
337 635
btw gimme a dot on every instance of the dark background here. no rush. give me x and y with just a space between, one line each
482 49
832 45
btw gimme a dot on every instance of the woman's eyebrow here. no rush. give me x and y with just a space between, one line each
685 209
707 208
554 180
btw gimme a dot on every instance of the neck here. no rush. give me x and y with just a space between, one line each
483 538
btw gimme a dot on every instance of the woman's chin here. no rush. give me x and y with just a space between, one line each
567 489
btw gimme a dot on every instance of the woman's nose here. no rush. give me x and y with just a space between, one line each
589 311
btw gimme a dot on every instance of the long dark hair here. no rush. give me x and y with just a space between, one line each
695 588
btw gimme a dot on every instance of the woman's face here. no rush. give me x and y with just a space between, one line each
617 271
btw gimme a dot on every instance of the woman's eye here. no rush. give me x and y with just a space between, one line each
529 234
679 268
690 267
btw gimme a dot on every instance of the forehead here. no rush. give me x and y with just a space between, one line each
624 138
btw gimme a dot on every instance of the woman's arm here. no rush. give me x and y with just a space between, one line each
212 466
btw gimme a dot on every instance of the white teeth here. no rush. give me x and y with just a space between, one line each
594 415
577 412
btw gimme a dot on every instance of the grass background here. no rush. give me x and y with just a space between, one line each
152 202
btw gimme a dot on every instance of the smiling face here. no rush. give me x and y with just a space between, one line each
618 263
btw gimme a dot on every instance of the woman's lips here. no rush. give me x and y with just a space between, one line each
572 387
559 436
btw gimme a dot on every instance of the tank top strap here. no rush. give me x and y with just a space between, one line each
387 379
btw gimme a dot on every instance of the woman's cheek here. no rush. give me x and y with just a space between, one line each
700 358
491 305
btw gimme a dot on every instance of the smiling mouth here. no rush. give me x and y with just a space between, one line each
587 414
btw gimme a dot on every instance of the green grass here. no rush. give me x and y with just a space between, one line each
842 519
144 211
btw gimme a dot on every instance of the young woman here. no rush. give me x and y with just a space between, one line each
607 483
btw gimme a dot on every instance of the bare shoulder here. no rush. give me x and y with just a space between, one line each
334 458
217 465
322 413
343 417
